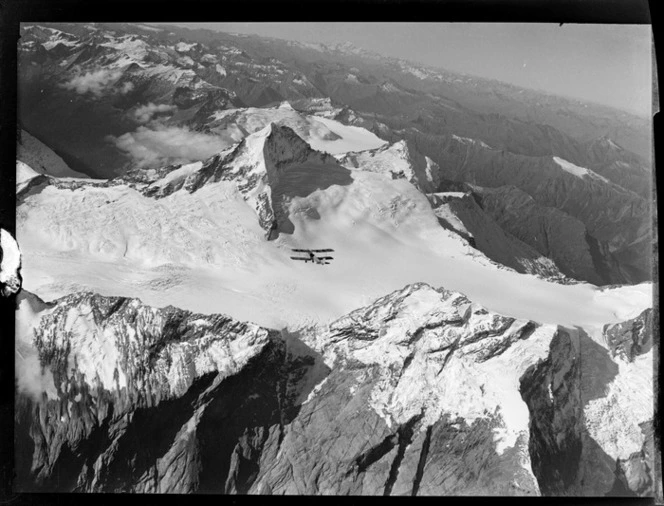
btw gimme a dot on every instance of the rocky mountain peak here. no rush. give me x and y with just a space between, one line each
399 160
255 164
286 105
123 347
282 146
413 338
632 338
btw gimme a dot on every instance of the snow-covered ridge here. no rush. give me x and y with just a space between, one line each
183 47
254 165
177 176
438 353
398 160
576 170
108 343
323 134
111 238
467 140
446 196
570 167
150 28
26 177
51 37
205 220
613 144
127 56
24 174
132 48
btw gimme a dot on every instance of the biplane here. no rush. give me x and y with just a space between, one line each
313 258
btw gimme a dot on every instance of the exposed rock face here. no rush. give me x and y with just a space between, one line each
591 413
551 232
123 372
629 339
551 390
552 185
421 393
10 264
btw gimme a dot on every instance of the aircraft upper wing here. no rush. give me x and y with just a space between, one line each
313 250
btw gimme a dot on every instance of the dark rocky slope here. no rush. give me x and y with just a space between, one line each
461 213
407 396
578 446
551 232
612 215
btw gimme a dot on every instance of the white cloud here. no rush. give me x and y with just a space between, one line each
145 112
33 379
161 145
126 87
97 82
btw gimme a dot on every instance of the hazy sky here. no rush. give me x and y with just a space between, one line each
608 64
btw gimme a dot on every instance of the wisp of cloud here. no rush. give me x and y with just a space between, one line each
161 145
33 379
145 112
97 82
